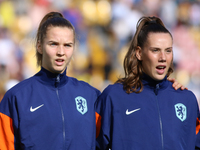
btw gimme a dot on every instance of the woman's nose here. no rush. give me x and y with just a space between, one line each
162 56
60 50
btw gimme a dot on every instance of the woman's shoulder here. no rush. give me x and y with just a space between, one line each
113 89
22 86
182 94
80 84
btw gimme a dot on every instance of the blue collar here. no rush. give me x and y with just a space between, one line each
52 79
148 81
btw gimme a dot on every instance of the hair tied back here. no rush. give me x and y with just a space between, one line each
152 19
57 15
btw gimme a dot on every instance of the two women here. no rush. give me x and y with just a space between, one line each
53 111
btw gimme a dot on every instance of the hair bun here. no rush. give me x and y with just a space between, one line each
56 14
152 19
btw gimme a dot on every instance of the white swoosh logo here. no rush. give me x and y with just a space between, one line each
34 109
130 112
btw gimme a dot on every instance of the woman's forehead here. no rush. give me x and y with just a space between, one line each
159 38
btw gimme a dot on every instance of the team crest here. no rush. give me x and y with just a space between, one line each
81 105
181 111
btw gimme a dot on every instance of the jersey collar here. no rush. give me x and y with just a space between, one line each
51 79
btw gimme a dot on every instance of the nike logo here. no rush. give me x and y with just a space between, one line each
34 109
130 112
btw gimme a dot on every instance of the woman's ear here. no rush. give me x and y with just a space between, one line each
39 47
138 53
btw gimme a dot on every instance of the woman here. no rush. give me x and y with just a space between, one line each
50 111
142 110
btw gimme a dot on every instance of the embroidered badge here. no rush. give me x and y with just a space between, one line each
181 111
81 105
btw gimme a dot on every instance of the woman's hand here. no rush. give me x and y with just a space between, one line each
176 85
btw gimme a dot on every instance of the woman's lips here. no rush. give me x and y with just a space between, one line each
59 62
160 69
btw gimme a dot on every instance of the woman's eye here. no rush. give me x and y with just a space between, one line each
169 50
154 50
68 45
53 44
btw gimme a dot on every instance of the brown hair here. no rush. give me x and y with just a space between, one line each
132 66
54 19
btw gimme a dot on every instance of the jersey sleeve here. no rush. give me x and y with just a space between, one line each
197 144
7 112
103 108
6 133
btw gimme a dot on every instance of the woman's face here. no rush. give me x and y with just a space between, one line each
157 55
57 49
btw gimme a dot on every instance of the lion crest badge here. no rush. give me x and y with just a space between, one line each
181 111
81 105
